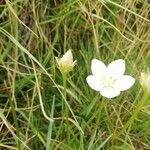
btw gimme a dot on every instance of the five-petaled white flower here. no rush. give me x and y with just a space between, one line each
109 81
66 63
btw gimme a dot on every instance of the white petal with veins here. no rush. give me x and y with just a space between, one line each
109 92
93 83
116 68
98 67
124 82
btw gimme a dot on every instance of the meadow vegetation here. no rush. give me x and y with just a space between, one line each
33 90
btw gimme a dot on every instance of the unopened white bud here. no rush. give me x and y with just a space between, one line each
145 80
66 63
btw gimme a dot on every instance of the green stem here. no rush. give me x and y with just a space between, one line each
65 105
65 92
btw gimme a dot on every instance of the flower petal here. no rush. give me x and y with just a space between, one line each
116 68
67 57
124 82
98 67
93 83
109 92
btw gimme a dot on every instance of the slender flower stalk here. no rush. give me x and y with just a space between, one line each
64 77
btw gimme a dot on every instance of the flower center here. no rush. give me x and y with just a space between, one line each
107 81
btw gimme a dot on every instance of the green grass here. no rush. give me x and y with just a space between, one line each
32 91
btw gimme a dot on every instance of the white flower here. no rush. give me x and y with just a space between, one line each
66 63
109 81
145 80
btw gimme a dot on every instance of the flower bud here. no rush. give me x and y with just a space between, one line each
145 80
66 63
